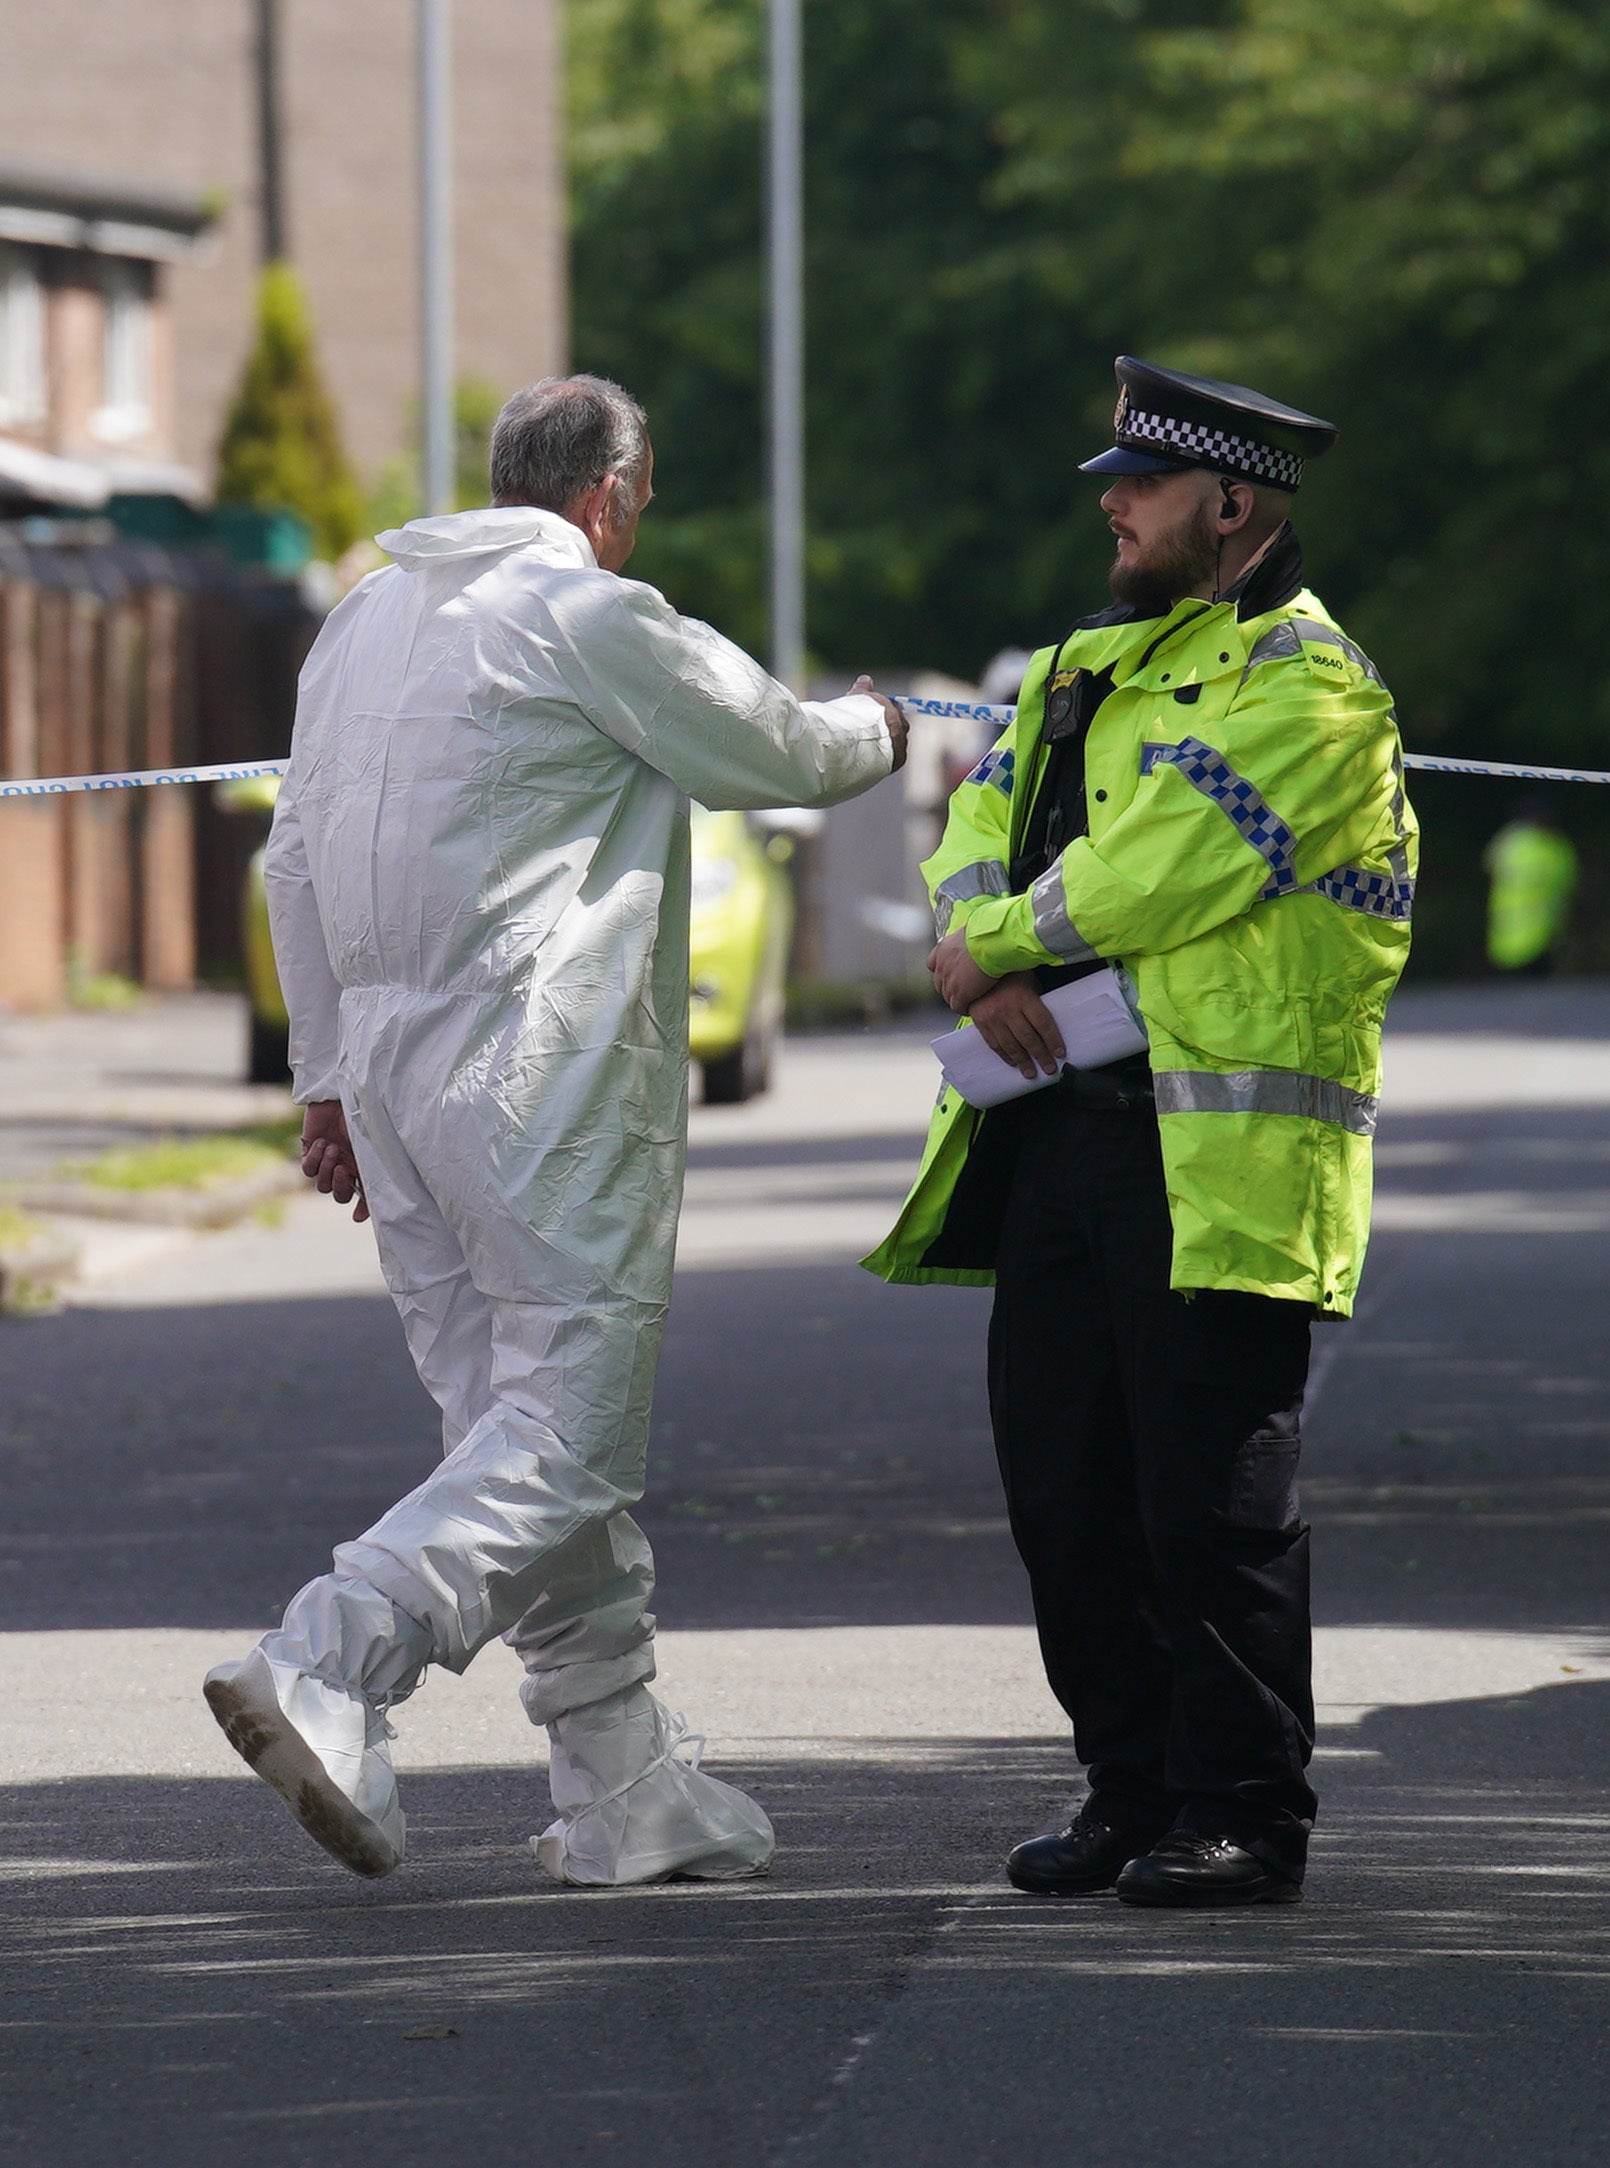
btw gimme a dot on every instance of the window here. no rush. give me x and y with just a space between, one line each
22 340
126 361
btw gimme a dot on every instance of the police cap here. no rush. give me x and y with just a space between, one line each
1167 421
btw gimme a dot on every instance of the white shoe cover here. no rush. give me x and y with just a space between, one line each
323 1748
631 1809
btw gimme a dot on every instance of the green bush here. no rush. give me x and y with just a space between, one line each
281 447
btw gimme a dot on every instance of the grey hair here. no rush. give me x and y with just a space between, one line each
559 438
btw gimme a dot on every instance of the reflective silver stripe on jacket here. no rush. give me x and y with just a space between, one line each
1265 1091
1278 644
1285 640
1318 634
1056 930
966 885
1242 803
1398 856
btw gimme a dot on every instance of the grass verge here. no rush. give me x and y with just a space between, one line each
192 1163
16 1228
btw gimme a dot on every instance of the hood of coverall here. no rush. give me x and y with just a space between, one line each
484 532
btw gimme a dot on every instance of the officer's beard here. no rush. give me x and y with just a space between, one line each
1176 564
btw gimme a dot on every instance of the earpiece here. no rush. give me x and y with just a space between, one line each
1228 508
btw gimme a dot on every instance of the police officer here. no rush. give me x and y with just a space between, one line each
1203 788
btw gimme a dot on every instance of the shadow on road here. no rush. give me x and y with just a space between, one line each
821 1456
187 1973
186 1980
187 1976
821 1451
1440 1997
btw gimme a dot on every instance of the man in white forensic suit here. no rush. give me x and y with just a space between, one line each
478 883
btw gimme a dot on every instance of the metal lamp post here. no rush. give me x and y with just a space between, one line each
434 62
786 339
274 243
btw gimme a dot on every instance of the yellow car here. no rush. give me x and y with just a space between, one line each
267 1053
742 924
743 920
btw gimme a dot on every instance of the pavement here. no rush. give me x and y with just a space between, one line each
844 1618
89 1081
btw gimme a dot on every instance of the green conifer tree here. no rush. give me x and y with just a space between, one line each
281 447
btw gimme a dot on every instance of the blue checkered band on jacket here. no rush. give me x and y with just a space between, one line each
1209 447
1382 895
996 768
1250 813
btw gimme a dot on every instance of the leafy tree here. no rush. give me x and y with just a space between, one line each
1395 212
395 498
924 378
281 448
665 108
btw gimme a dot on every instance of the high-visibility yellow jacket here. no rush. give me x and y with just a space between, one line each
1534 871
1250 864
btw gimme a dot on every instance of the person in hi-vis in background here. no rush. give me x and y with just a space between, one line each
1532 868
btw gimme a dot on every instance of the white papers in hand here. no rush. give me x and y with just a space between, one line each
1097 1026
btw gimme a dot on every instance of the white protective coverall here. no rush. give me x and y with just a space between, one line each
478 885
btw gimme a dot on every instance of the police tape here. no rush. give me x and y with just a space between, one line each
56 786
244 771
1428 763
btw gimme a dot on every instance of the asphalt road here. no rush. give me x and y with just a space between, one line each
186 1981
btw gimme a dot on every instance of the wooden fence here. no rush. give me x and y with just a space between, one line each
117 655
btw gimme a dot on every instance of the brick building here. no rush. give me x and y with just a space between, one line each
168 90
88 397
92 634
131 229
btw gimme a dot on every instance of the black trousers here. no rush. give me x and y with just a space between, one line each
1148 1442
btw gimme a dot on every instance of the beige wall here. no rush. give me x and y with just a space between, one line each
164 90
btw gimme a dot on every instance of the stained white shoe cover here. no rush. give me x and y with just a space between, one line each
633 1809
324 1749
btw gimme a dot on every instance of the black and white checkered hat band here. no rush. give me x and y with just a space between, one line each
1210 447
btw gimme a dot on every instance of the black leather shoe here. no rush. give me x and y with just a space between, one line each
1187 1868
1087 1857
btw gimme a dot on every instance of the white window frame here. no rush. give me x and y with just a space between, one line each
22 339
125 409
